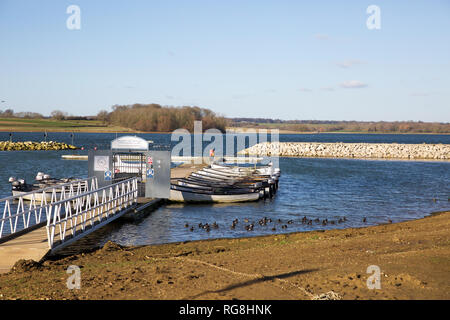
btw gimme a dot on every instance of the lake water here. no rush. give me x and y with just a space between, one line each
377 190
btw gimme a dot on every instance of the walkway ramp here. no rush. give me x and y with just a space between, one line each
34 229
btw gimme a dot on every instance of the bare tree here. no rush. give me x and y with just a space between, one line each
103 116
58 115
8 113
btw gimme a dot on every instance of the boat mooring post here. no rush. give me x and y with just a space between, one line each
10 137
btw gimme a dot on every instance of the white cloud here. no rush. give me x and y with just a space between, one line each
352 84
348 63
304 90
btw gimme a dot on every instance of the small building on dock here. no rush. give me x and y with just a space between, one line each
129 157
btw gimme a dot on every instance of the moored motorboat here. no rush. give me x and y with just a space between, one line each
219 183
29 192
193 196
261 169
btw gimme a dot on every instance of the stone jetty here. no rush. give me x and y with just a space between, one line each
351 150
31 145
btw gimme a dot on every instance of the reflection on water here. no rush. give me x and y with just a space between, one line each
316 188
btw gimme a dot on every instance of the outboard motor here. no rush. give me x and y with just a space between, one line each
19 184
15 185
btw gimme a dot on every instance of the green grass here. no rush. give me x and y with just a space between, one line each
21 124
14 122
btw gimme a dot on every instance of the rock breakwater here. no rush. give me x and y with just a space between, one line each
31 145
350 150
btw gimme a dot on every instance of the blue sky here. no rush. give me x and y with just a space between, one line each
273 59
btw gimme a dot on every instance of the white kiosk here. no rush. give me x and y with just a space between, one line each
130 157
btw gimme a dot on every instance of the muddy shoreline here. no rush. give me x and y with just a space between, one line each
413 257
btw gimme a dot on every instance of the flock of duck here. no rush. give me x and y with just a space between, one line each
249 225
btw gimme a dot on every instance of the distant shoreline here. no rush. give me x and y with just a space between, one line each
234 130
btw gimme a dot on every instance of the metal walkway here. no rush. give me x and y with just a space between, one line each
62 215
58 216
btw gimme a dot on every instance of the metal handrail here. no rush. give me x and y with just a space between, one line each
66 191
89 208
53 187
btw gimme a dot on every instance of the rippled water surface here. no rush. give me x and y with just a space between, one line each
316 188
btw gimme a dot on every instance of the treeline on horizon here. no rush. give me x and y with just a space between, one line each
156 118
342 126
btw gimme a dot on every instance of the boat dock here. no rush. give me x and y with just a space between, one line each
50 226
182 159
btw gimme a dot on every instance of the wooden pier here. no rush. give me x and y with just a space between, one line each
33 242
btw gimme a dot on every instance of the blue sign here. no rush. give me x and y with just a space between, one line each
108 175
150 173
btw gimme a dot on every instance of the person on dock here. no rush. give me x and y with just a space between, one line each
212 153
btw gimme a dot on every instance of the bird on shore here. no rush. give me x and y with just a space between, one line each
186 225
290 222
284 226
200 225
310 222
332 222
245 220
340 220
364 220
215 225
325 222
390 221
317 220
192 229
274 229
